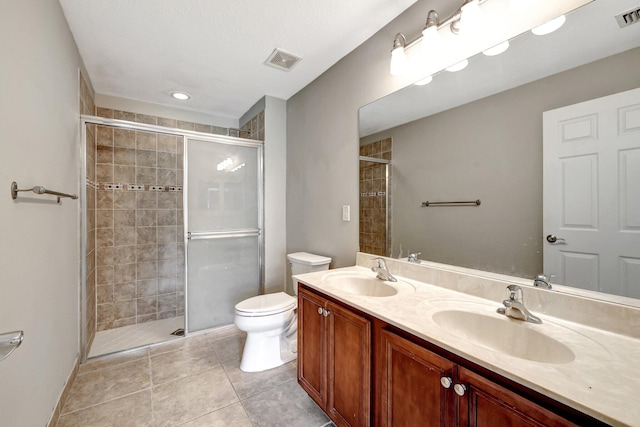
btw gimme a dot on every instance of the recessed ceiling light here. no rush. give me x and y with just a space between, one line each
182 96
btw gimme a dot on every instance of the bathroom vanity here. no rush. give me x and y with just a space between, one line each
425 354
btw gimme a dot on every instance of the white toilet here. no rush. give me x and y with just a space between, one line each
271 322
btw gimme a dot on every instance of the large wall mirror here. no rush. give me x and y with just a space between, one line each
478 134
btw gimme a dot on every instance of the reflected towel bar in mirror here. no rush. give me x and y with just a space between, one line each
469 203
39 190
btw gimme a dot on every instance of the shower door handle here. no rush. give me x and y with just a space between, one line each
9 342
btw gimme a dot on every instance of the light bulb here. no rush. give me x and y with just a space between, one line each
471 17
424 81
429 40
549 27
399 62
497 49
459 66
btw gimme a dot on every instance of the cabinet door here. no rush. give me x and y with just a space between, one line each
486 404
311 346
411 391
349 367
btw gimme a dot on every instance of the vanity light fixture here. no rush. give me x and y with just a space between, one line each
182 96
465 19
550 26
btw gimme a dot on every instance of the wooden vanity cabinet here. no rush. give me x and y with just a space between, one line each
416 383
334 358
487 404
409 379
420 387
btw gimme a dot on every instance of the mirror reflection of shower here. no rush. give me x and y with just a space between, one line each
375 197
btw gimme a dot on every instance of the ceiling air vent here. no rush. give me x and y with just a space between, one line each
629 17
282 60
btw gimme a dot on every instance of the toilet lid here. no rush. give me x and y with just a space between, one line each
267 304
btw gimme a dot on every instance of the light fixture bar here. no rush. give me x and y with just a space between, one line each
442 24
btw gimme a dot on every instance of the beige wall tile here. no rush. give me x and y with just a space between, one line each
146 288
124 156
147 305
124 174
146 252
170 123
124 138
124 292
145 141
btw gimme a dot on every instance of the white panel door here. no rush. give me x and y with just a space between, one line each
592 194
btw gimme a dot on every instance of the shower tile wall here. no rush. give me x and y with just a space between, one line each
372 198
87 106
140 252
139 246
254 128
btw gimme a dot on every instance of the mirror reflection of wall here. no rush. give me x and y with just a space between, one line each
490 149
375 197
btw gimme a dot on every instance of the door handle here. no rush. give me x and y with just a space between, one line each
553 239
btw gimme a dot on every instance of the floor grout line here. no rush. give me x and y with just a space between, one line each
105 401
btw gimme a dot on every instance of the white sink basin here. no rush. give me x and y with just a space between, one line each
508 336
359 284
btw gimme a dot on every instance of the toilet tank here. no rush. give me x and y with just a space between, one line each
303 262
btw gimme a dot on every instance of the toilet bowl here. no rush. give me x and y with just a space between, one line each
271 322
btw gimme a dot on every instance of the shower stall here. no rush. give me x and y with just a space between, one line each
171 232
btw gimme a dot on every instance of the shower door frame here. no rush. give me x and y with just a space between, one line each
185 134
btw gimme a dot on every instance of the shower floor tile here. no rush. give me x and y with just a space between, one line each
127 337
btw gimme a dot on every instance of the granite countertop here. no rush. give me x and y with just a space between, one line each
601 380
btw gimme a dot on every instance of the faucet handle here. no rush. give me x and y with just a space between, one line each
378 263
414 257
542 281
514 293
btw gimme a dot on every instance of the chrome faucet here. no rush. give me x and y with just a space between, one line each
542 281
514 306
414 258
381 269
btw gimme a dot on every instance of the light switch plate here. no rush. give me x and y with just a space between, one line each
346 213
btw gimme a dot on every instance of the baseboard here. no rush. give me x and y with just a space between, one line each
63 396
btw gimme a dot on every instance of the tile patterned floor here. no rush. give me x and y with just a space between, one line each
192 382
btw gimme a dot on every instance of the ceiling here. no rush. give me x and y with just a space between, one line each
215 50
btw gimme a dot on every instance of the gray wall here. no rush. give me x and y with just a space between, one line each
322 130
39 249
322 145
490 149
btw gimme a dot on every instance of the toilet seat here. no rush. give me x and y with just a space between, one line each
265 305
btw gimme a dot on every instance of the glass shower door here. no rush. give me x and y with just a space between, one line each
223 223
